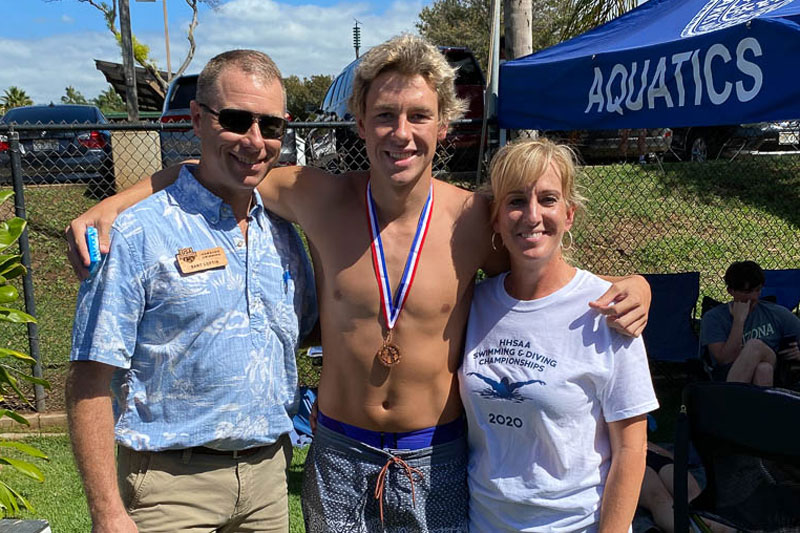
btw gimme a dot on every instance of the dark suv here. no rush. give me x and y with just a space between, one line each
343 149
180 144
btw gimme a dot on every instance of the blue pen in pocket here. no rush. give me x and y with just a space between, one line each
287 276
93 244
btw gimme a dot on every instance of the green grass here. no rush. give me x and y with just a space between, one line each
679 216
60 499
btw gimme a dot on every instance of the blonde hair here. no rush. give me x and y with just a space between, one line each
408 55
519 165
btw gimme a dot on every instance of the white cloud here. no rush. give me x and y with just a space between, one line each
66 19
303 40
44 67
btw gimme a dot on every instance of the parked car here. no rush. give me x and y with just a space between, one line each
731 141
177 145
342 149
783 136
49 155
705 143
614 145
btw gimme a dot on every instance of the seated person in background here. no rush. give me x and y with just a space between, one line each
657 490
746 337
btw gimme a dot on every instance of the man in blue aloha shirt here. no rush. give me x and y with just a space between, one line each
191 322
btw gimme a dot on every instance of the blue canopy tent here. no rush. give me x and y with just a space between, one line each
666 63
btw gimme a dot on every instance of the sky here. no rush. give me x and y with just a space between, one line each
50 44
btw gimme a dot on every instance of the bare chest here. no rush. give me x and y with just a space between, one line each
345 265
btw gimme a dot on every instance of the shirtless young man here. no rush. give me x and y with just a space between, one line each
403 99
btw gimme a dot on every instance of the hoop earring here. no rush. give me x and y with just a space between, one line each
571 241
494 246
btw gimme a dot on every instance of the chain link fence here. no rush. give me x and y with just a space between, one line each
660 200
688 199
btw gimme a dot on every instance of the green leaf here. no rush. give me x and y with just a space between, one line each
8 352
10 231
9 495
23 467
14 416
7 260
24 448
5 195
7 377
7 500
8 293
21 498
36 381
15 315
13 272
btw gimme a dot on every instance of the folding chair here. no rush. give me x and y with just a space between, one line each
669 336
748 439
784 285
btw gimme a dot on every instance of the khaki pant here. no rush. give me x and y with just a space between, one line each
186 491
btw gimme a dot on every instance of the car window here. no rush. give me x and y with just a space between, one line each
340 89
183 92
328 96
347 89
468 71
54 114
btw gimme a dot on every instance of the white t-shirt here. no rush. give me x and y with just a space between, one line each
539 381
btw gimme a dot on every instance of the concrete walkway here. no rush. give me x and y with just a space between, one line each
55 423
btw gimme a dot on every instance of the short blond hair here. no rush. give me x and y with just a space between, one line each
251 62
519 165
409 55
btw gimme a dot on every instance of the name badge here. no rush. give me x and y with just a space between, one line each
190 261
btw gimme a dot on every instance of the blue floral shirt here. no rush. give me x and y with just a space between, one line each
207 358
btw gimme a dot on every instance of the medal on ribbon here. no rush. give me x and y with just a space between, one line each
389 353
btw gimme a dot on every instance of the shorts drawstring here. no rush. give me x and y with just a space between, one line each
381 481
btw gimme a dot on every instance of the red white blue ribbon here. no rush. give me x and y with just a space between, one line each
392 306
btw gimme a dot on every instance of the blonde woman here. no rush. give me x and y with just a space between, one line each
556 401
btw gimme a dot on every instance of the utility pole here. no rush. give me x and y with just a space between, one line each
166 37
356 37
131 98
166 41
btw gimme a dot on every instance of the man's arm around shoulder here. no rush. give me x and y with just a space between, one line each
91 429
102 216
626 304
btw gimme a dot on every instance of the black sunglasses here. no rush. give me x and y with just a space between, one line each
239 121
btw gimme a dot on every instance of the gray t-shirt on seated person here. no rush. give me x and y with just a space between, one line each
767 321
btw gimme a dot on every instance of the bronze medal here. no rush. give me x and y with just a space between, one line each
388 354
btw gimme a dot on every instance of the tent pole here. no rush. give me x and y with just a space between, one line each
490 96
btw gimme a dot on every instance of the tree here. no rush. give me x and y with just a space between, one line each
73 96
458 23
141 52
109 101
15 97
467 22
583 15
305 94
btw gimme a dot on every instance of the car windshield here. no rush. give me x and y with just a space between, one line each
468 71
54 114
183 93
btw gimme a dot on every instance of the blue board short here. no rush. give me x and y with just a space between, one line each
418 478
